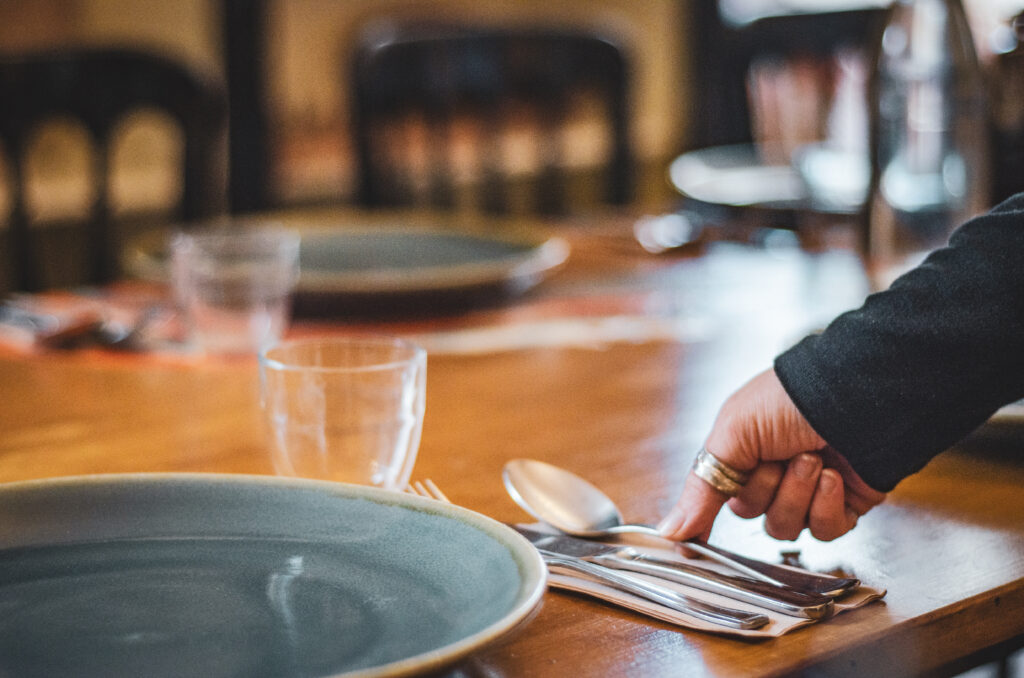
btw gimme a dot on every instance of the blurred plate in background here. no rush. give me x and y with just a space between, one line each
381 271
817 178
742 175
387 270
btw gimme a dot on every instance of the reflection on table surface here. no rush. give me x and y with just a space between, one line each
614 367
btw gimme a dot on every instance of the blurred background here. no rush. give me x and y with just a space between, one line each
286 67
307 51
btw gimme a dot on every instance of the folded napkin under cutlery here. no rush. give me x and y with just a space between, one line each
700 581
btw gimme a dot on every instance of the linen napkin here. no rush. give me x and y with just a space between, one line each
779 624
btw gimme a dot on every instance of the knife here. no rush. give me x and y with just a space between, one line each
800 580
716 614
784 600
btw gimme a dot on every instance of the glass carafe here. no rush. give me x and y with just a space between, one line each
929 135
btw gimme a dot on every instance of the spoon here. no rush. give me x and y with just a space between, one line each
572 505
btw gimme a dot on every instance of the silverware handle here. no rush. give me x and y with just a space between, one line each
762 594
715 614
807 582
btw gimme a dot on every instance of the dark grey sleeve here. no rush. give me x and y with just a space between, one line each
921 365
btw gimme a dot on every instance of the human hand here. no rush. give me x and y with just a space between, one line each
796 480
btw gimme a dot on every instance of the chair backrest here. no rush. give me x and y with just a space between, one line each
97 89
723 55
421 93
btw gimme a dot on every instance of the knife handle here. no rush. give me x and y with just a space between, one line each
786 601
801 580
715 614
807 582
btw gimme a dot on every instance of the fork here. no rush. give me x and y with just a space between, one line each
428 489
715 614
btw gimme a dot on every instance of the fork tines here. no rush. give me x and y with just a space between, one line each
427 489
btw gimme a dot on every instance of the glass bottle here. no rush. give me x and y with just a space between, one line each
1008 110
929 135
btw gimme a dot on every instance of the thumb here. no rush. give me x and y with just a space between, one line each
694 513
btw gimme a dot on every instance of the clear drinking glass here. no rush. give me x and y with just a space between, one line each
345 409
235 286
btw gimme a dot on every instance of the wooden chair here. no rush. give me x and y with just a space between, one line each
97 89
763 88
245 33
723 54
422 93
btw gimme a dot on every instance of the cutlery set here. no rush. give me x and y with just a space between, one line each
780 599
572 506
86 324
716 614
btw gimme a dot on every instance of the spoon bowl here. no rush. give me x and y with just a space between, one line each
565 501
572 505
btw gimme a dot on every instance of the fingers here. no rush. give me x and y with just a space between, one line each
858 495
829 516
759 429
759 491
694 513
806 495
788 513
802 494
782 492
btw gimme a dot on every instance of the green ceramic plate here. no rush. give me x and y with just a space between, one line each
366 260
222 575
403 271
391 269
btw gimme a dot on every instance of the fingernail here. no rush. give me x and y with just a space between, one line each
806 466
828 482
671 522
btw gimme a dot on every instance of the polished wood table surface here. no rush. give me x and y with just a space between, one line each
626 411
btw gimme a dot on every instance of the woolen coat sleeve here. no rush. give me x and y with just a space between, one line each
921 365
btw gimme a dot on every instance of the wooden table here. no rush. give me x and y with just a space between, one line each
629 415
